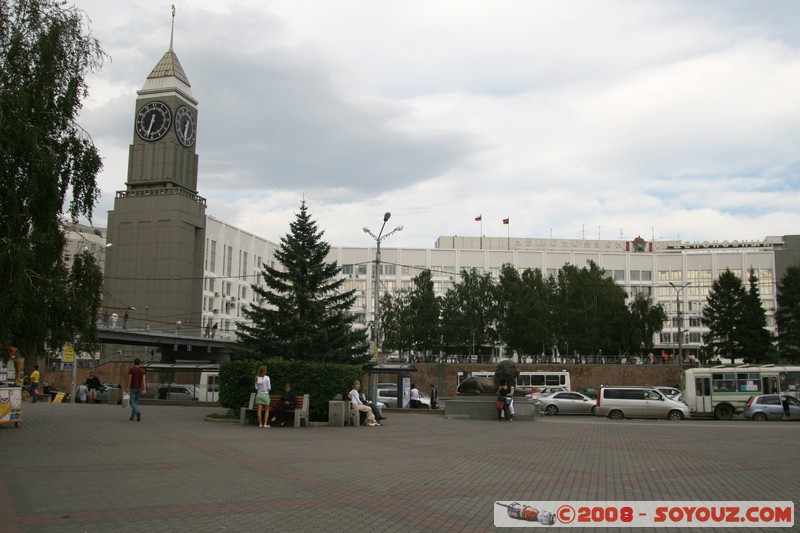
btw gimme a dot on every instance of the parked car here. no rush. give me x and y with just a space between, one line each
567 403
591 393
387 393
102 394
770 407
669 392
638 402
177 392
539 392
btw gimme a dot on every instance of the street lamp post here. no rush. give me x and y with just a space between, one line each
376 323
678 290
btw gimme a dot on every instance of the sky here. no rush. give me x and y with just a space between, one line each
573 119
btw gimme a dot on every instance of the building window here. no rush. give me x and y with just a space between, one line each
663 275
361 270
347 270
647 275
694 338
635 275
212 257
695 322
619 275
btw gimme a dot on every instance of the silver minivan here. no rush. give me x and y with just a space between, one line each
638 402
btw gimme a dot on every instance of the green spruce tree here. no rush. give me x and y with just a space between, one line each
788 315
756 341
723 316
304 313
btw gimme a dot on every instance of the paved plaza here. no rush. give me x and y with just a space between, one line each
86 468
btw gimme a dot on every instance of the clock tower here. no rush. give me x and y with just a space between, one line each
156 230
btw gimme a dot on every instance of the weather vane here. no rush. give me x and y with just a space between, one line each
172 33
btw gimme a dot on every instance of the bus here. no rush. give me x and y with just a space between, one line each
721 391
528 382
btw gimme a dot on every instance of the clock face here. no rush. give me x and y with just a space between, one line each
185 126
153 121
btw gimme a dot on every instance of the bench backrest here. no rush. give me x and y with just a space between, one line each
298 404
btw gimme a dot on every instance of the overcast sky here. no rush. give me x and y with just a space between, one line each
611 119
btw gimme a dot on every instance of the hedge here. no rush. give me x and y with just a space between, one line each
322 381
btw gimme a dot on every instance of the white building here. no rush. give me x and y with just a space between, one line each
673 273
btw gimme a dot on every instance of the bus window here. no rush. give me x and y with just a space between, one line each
793 381
723 382
747 382
537 380
523 379
552 380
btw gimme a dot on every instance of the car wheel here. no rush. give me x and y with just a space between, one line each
594 410
616 415
675 415
723 412
759 417
551 410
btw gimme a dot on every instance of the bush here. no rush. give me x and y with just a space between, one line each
322 381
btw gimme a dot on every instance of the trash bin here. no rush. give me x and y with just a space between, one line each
336 413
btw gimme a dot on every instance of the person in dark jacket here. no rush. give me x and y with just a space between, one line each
287 402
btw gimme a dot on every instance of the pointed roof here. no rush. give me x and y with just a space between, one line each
168 75
169 66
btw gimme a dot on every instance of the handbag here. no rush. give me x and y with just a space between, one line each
501 403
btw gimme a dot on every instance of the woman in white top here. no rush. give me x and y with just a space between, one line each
262 397
355 399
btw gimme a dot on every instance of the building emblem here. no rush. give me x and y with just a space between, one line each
639 245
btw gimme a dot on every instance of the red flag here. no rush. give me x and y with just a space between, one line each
505 220
479 218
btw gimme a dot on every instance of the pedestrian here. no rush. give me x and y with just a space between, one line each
125 321
114 318
503 406
262 386
35 377
213 330
355 401
414 402
178 326
434 397
105 318
208 329
82 394
93 385
286 404
137 384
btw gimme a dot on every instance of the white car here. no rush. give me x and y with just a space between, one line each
387 393
539 392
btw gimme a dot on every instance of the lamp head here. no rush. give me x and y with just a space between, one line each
387 216
399 228
366 229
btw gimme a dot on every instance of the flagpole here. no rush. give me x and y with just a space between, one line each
508 235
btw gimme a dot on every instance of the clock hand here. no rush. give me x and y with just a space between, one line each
186 130
152 121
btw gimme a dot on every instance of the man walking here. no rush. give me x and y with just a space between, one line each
35 383
137 384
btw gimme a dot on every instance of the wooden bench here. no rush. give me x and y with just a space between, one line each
300 409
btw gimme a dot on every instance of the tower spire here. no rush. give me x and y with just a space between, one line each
172 32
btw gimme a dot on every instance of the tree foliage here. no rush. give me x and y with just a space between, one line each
756 341
788 315
48 164
723 316
304 313
469 313
647 319
410 317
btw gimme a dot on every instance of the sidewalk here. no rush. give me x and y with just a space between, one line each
86 468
